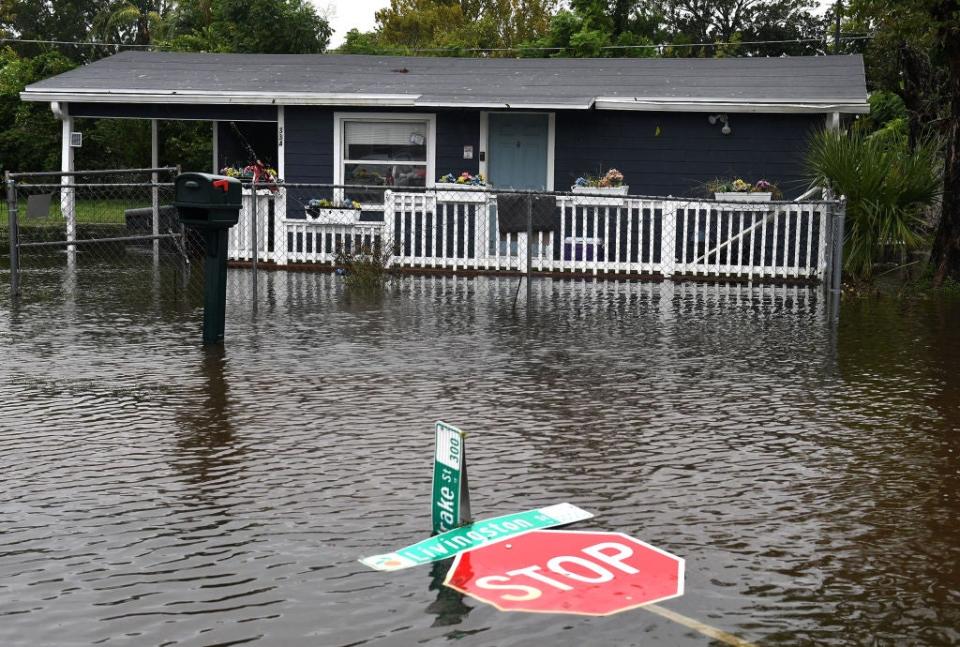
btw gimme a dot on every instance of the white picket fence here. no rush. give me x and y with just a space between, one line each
591 235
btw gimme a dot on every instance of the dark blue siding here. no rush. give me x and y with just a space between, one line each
456 129
675 153
168 111
309 142
659 153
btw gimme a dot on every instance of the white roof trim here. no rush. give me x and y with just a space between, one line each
218 98
505 105
667 104
720 105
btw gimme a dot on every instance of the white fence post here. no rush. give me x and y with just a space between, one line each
668 238
389 216
280 227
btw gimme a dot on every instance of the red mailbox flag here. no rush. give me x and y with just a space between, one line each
567 571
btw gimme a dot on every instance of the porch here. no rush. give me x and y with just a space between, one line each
466 231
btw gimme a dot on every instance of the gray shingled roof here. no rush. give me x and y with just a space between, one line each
832 81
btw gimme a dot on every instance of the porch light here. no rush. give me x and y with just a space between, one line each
722 118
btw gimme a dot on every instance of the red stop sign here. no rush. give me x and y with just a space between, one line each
568 571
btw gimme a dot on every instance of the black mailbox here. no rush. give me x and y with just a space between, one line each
210 204
207 201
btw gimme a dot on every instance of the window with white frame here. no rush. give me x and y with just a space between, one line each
388 150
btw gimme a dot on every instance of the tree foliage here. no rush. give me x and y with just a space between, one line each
441 26
30 135
30 138
888 188
916 53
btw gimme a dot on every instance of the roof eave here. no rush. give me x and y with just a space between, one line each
217 98
748 106
493 105
67 95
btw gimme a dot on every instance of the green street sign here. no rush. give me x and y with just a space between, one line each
477 534
451 498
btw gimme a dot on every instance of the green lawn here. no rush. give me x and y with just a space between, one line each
92 212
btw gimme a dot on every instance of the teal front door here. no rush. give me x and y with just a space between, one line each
517 152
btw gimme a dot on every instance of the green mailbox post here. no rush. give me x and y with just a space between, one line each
210 204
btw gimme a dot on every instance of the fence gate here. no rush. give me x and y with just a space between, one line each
93 229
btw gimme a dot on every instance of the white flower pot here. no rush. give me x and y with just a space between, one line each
742 196
602 190
332 216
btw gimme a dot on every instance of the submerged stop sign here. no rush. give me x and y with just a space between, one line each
567 571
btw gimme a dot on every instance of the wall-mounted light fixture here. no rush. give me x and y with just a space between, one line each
723 119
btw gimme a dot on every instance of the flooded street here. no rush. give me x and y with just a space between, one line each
156 493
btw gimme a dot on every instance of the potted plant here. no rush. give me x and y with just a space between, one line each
738 190
611 182
463 181
334 212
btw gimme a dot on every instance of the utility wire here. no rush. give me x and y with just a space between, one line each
36 41
645 46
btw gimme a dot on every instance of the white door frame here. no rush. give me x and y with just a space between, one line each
551 140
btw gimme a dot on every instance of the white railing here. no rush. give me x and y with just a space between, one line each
242 238
591 235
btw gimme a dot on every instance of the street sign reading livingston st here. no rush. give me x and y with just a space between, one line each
477 534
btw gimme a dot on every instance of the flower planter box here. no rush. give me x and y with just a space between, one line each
472 193
333 216
461 187
742 196
602 190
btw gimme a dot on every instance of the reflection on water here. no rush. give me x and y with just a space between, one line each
155 492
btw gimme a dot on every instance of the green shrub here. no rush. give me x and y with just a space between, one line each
366 267
888 188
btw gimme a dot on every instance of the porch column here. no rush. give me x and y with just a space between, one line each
216 147
281 157
67 204
155 192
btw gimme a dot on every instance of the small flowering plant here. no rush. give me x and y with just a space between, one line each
464 178
258 172
333 204
612 178
739 185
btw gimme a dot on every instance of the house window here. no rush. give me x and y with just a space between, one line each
389 150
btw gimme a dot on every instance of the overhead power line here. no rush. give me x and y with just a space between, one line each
644 46
37 41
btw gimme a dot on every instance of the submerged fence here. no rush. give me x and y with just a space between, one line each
594 234
95 222
464 229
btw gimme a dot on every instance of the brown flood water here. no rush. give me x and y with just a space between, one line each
156 493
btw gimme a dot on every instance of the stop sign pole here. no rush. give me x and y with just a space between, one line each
568 571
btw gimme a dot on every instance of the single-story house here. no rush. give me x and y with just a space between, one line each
668 124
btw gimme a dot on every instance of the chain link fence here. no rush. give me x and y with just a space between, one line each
119 228
96 233
597 233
